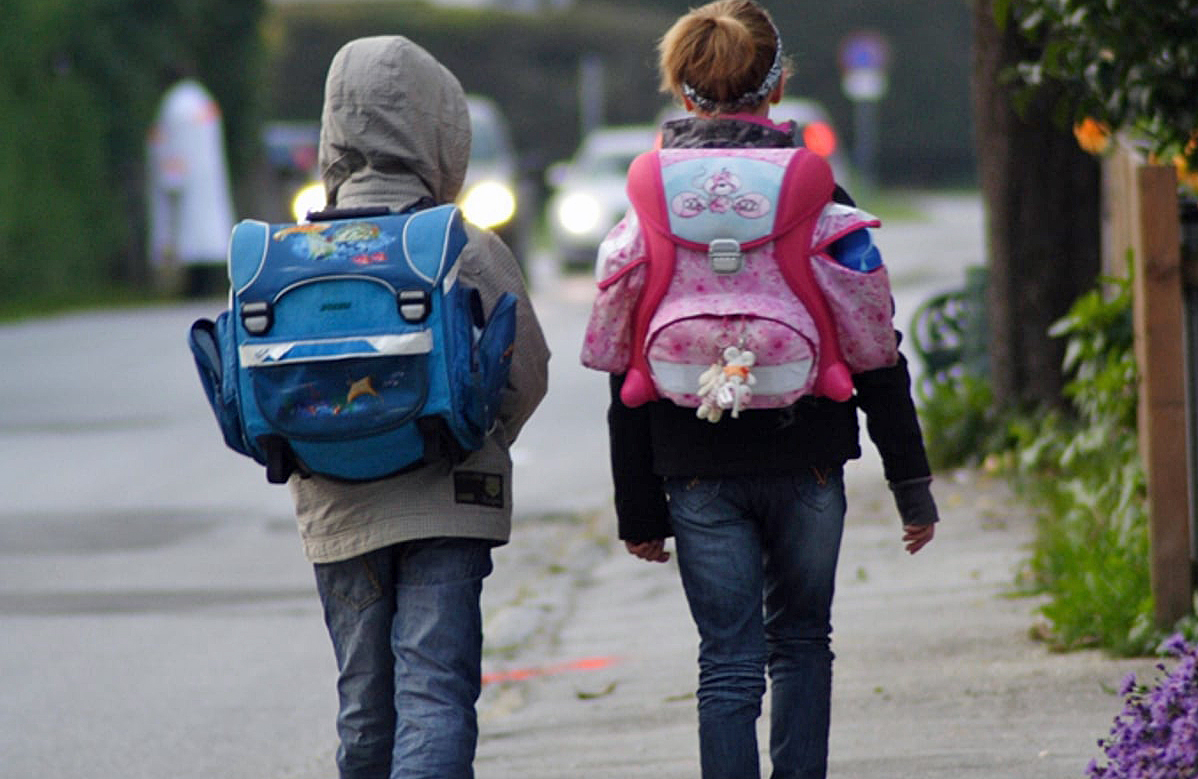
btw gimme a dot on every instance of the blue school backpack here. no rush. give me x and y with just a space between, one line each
351 348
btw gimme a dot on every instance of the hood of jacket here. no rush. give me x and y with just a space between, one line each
394 127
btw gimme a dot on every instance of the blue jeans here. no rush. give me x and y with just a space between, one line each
758 562
406 626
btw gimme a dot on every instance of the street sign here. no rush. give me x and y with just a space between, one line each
865 49
864 60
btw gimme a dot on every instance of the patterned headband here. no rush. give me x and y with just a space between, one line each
749 99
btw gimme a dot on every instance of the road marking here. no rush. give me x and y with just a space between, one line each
522 674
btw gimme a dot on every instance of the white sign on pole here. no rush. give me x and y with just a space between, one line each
864 60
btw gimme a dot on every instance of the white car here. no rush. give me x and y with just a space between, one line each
588 191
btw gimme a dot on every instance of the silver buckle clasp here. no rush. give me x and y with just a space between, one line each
725 255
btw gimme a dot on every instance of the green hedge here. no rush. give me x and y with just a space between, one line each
80 81
527 63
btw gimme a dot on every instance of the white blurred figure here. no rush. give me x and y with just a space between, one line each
190 203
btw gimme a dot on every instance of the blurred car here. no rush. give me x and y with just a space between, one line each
588 191
489 193
815 129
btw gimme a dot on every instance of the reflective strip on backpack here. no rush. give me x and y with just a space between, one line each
326 349
770 380
682 379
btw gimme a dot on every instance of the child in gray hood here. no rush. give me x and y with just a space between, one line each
400 561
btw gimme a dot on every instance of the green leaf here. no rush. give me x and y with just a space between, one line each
590 696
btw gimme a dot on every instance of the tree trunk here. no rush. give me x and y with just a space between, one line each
1042 196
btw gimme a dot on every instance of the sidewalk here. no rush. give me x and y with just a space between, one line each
935 674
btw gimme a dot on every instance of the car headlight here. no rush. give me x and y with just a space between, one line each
578 213
310 197
489 204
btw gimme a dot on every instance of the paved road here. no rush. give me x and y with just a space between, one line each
157 618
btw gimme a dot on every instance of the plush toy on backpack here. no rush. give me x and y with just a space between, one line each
727 385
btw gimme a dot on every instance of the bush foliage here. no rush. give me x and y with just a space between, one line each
1132 65
80 81
1079 470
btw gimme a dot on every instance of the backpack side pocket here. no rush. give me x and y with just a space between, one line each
495 346
863 308
214 364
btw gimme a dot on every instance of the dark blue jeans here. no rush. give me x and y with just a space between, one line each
758 561
406 626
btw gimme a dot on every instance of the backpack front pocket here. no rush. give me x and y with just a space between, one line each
340 388
689 336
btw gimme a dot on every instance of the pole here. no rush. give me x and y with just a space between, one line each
590 93
1159 334
865 141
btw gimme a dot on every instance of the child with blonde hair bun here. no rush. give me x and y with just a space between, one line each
756 503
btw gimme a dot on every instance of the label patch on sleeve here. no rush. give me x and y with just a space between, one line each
478 489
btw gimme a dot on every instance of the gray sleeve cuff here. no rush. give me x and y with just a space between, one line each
913 498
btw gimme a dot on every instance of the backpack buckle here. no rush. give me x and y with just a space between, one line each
257 317
725 255
414 305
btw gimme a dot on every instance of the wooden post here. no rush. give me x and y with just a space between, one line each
1160 356
1118 184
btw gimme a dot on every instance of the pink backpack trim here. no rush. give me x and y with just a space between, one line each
621 273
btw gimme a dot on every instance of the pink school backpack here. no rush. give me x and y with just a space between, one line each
743 303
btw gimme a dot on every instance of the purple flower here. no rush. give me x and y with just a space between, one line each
1175 645
1156 734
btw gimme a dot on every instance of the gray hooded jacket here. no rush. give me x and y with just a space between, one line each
395 130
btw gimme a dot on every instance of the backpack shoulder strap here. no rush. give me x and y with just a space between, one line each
647 195
432 240
807 188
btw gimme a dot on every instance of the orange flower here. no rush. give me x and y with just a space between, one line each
1186 178
1092 135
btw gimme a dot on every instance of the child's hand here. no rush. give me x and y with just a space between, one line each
653 551
916 537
